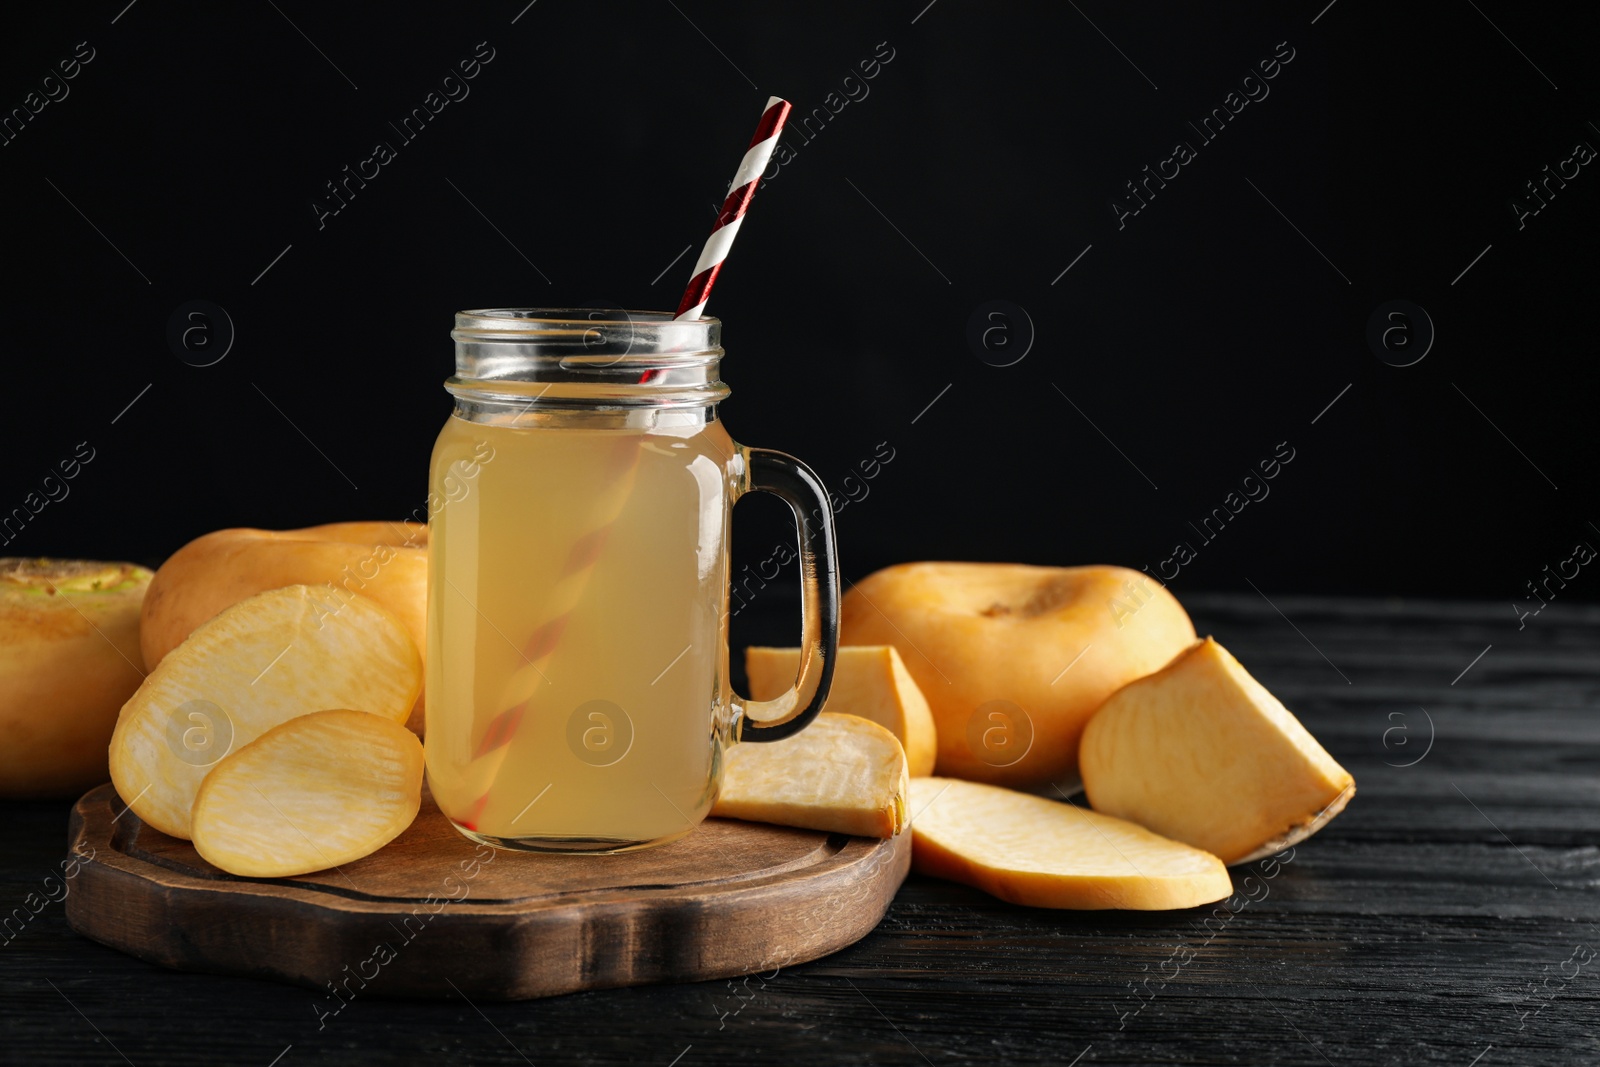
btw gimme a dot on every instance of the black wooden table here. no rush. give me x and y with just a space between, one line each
1449 916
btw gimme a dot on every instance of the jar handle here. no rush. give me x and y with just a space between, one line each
784 716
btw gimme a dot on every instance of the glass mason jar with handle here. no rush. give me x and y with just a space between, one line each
577 681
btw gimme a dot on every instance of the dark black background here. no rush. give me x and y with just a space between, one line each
981 163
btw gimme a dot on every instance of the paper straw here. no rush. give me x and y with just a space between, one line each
491 743
740 193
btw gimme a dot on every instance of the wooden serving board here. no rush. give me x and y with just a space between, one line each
434 915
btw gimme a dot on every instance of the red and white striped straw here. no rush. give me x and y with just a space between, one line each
493 739
745 180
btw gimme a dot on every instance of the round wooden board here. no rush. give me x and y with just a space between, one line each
433 914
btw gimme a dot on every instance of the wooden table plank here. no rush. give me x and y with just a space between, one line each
1450 914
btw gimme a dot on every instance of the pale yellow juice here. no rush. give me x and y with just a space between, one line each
621 727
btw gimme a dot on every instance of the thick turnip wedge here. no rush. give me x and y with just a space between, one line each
1050 854
841 773
1201 752
315 792
870 681
264 661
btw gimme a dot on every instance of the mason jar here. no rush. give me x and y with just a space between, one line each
577 685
